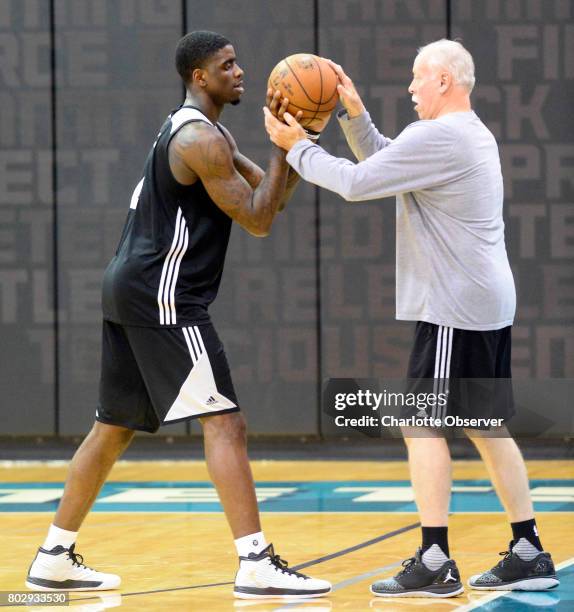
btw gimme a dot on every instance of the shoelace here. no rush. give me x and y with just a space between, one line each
281 564
76 558
408 564
506 554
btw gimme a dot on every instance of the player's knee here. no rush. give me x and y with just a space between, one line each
234 426
408 440
112 433
481 438
414 436
231 426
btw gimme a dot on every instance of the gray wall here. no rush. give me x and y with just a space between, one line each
316 299
26 222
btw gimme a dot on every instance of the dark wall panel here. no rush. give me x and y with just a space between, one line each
376 43
266 310
525 70
116 85
26 210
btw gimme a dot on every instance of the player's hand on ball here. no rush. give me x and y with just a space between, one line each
284 135
277 105
348 95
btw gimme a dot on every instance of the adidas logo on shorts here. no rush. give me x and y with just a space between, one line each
210 400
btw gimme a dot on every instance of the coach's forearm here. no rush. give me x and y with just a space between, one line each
317 166
363 138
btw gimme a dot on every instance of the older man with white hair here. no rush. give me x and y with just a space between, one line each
454 280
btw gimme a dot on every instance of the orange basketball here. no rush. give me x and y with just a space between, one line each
310 84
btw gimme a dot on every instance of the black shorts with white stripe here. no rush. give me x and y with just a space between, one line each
471 369
155 376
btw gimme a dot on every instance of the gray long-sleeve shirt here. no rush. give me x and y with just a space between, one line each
452 266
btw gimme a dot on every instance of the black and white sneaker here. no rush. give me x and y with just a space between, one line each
266 576
514 574
417 580
62 569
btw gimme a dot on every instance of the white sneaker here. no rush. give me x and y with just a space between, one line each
266 575
61 569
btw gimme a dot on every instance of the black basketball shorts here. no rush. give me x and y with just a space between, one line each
471 369
153 376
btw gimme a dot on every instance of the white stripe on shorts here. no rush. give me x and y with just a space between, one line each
192 353
194 342
198 394
435 389
199 340
447 370
442 367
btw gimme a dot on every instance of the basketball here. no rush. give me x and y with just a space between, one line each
310 84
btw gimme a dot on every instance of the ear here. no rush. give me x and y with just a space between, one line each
198 76
445 81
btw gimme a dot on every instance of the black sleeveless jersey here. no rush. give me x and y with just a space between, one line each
169 262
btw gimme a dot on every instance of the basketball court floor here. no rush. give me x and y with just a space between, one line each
159 525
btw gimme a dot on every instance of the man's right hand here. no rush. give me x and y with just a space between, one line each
348 95
278 105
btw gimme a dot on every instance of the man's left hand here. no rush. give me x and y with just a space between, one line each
284 135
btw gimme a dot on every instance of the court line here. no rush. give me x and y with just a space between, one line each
334 555
565 564
345 551
496 594
102 593
344 583
370 574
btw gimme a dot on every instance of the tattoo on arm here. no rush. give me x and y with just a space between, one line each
210 157
250 171
292 182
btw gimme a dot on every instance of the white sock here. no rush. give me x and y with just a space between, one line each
525 550
59 537
253 543
434 558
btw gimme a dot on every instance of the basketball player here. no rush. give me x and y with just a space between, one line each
454 280
162 359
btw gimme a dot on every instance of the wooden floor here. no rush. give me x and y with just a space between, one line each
163 556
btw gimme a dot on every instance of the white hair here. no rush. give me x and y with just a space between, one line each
452 56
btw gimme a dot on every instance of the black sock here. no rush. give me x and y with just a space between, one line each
528 530
436 535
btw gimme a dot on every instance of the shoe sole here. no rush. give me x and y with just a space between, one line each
240 595
528 584
419 593
37 587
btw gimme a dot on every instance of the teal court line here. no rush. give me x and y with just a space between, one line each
380 496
